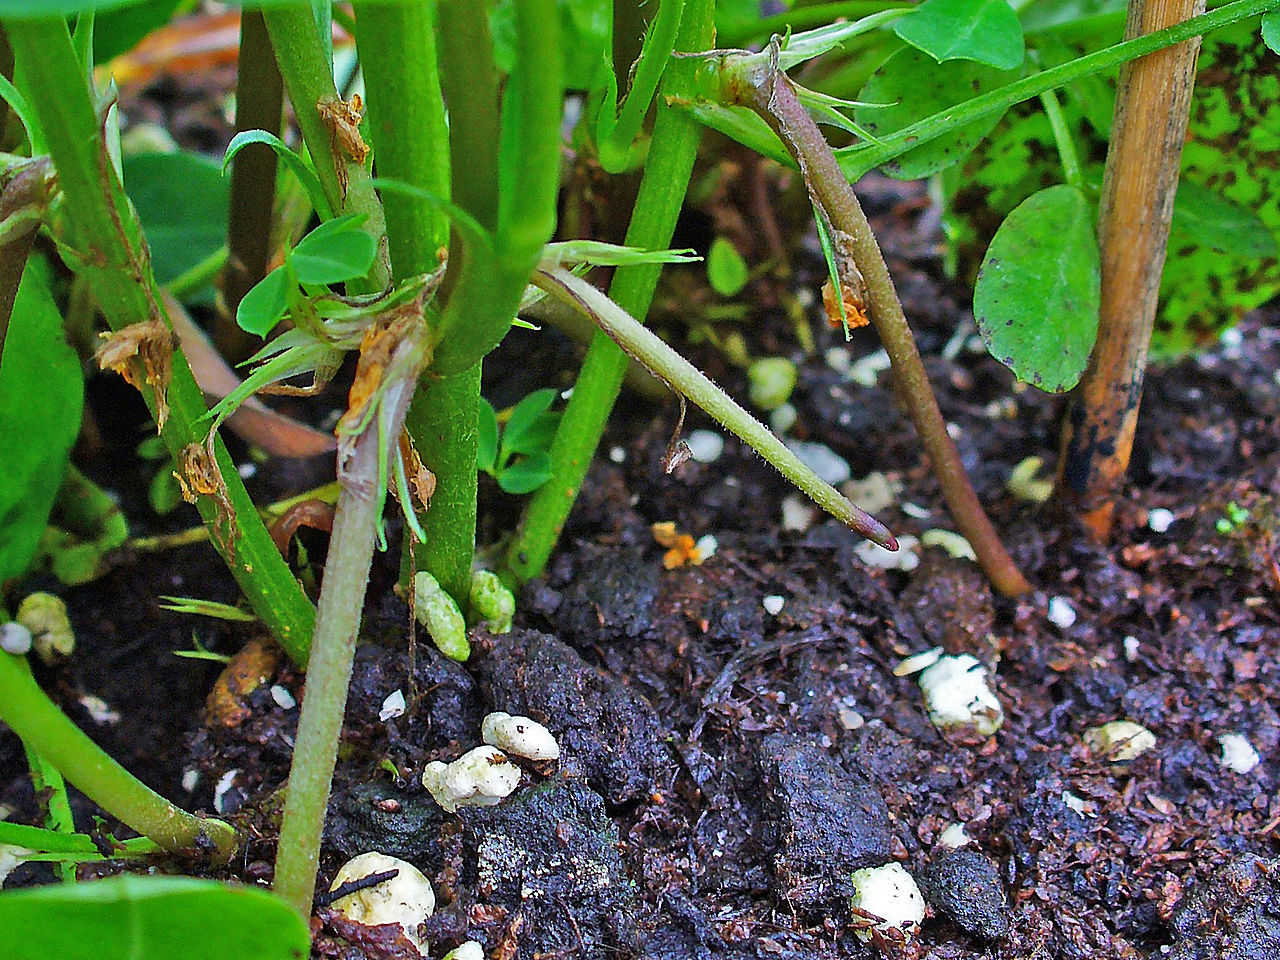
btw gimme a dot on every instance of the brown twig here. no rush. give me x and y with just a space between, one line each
771 95
1152 103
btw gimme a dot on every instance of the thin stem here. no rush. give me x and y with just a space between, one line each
309 82
259 106
346 576
659 359
662 188
30 714
1062 139
773 97
115 263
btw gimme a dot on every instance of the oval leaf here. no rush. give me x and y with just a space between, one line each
262 307
523 416
915 86
335 251
151 918
1038 292
182 201
987 31
526 474
726 270
41 398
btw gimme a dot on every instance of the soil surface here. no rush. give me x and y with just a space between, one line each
736 739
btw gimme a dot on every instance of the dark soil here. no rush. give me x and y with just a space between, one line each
724 768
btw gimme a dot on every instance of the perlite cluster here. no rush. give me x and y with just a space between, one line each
955 691
484 776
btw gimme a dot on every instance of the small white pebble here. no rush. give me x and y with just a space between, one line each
1160 519
1238 753
851 719
826 463
190 780
1078 804
916 511
618 454
11 857
1061 613
954 836
225 783
469 950
866 371
950 541
804 297
705 446
392 707
890 894
519 736
838 359
874 492
954 431
917 662
15 639
956 694
1120 740
247 470
1025 484
1131 649
405 899
797 514
99 710
773 604
904 558
283 698
707 545
782 418
479 778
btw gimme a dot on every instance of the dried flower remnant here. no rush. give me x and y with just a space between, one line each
198 474
421 481
342 118
682 549
142 353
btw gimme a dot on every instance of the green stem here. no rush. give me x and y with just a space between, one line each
771 95
115 263
406 122
308 80
44 728
658 204
858 160
662 361
1062 138
803 18
346 577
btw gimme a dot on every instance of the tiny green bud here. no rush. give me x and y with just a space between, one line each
770 382
492 602
438 612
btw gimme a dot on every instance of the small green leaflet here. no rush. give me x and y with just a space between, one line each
986 31
1039 289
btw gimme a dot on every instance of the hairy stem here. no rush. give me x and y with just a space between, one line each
771 95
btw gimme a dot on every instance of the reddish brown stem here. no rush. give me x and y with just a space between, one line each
1152 103
771 95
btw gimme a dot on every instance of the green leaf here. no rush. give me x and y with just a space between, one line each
1271 30
41 398
1220 224
916 87
115 31
44 9
263 307
1038 291
182 201
487 424
523 417
335 251
526 474
986 31
150 918
299 165
726 270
